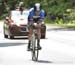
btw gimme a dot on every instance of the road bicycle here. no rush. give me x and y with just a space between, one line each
34 45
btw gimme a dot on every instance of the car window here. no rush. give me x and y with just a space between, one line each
18 14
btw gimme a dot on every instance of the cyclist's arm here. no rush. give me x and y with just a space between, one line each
42 16
31 14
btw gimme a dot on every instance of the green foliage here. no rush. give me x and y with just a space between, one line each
59 21
54 7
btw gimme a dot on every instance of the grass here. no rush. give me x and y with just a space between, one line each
65 25
1 20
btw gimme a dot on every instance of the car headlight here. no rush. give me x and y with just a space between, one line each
17 24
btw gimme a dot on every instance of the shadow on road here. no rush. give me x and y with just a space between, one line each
18 38
58 62
60 29
10 44
44 61
23 38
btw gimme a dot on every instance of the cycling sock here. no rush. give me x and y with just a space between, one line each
38 42
29 44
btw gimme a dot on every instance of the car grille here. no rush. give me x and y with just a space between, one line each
23 29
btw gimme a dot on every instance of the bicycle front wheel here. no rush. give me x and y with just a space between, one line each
35 50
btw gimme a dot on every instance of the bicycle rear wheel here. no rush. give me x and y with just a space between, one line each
35 50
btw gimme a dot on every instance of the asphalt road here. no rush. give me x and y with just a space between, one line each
57 49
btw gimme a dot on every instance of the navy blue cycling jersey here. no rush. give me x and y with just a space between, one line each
32 13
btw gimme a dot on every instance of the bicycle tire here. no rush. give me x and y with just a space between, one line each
35 51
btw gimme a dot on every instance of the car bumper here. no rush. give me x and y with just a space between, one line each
18 30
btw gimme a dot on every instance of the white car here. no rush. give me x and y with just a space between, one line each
16 24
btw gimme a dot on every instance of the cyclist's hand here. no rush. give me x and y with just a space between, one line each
35 24
43 22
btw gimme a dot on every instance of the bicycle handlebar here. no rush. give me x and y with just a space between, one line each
36 18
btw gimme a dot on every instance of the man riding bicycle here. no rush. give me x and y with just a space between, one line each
35 11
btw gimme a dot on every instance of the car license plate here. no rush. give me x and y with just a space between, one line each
23 29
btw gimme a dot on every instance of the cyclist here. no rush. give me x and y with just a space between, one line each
35 11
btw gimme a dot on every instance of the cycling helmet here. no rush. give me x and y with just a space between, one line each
37 7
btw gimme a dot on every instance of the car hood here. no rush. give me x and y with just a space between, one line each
20 21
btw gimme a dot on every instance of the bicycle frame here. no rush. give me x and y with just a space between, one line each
34 46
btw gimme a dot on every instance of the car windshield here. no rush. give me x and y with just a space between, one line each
19 15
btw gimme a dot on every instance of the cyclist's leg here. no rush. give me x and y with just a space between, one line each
29 35
38 34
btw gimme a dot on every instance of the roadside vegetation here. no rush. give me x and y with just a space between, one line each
66 20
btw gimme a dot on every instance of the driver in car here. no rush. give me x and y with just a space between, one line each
35 11
20 7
